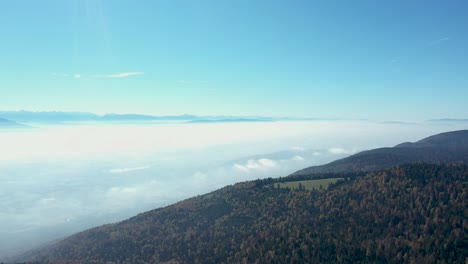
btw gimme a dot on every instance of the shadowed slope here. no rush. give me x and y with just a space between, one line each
444 147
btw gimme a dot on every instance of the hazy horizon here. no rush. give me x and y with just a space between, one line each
36 116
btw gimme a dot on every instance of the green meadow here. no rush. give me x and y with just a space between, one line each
308 184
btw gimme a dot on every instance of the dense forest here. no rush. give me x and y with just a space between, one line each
411 213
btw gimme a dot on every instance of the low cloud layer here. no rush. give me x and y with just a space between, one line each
57 180
341 151
265 165
252 165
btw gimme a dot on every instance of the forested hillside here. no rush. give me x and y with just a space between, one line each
411 213
441 148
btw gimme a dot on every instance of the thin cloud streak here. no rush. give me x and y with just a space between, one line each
99 76
438 41
124 170
123 74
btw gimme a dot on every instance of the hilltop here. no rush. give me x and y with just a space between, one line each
440 148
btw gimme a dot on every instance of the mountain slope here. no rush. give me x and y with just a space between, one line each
440 148
413 213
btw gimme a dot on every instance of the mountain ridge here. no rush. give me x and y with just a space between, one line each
444 147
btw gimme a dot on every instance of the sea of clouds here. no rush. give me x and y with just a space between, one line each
60 179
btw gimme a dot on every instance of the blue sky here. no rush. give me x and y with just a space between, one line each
392 60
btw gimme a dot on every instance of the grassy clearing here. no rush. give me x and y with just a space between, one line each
309 184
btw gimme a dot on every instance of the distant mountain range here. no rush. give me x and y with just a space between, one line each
5 123
60 117
64 117
77 117
449 120
409 213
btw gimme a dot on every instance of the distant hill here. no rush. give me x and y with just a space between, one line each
412 213
444 147
5 123
456 140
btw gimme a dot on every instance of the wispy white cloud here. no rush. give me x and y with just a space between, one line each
199 176
258 164
395 60
123 74
122 190
46 201
97 76
297 158
298 148
340 151
431 43
242 168
123 170
438 41
61 74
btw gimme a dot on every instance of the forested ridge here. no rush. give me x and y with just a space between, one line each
411 213
441 148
